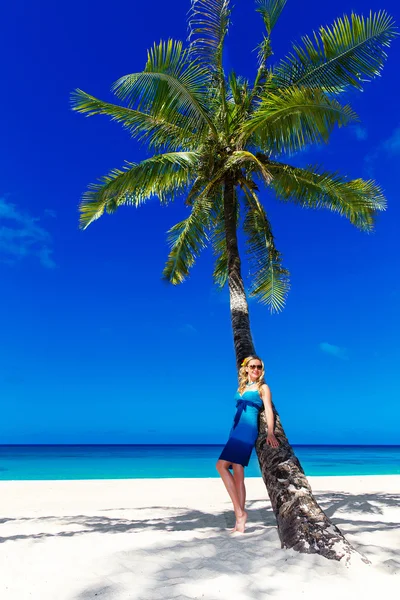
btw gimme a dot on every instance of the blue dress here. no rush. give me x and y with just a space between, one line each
244 431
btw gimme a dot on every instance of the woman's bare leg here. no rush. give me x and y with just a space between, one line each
227 478
238 477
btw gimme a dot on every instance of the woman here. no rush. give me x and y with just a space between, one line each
253 393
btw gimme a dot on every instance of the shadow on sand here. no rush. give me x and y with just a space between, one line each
213 553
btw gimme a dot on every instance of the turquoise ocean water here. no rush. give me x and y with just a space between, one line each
143 462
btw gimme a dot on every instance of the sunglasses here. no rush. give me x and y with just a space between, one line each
259 367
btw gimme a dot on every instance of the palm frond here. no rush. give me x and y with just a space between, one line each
220 274
187 239
235 89
171 85
145 127
290 119
208 26
312 187
270 280
348 53
237 160
270 11
239 97
163 175
248 160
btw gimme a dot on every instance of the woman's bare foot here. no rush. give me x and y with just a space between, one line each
241 523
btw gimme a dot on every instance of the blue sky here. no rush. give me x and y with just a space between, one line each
95 346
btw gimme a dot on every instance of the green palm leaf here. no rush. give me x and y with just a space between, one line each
249 161
208 25
270 280
238 91
163 175
187 239
220 274
171 85
348 53
156 131
219 133
357 200
238 101
290 119
210 181
270 11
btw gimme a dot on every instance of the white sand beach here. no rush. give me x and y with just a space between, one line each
168 538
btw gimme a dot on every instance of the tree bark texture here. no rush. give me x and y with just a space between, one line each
302 524
242 338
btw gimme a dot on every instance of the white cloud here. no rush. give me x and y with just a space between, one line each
21 235
334 350
392 144
188 329
48 212
359 132
389 146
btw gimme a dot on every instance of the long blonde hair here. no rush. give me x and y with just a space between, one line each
243 377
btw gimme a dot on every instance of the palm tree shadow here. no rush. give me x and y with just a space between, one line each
181 520
189 564
98 592
213 552
260 514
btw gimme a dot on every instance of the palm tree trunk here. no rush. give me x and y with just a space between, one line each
302 524
240 318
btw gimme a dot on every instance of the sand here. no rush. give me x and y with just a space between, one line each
168 538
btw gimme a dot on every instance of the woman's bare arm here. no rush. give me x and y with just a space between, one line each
269 414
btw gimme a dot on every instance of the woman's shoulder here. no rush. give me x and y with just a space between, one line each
265 388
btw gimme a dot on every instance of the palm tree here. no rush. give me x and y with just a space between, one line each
216 139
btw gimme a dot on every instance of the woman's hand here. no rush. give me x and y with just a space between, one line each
272 441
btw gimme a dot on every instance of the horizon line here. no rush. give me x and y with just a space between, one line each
183 444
